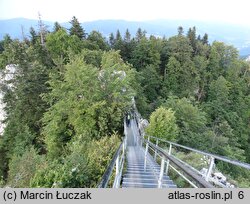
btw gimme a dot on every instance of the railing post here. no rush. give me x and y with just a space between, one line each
169 152
117 166
161 172
142 138
157 141
146 152
124 146
209 171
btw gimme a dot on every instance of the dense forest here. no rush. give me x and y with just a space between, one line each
70 90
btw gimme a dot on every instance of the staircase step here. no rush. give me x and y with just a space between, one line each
143 176
146 180
142 165
145 185
135 176
142 170
143 173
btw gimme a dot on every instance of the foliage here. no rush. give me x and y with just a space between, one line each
22 168
82 105
145 53
82 167
76 29
60 44
191 122
67 97
163 124
97 40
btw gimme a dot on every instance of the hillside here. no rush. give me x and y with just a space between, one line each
70 92
238 36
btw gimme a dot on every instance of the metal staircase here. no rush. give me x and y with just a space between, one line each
142 171
137 175
136 163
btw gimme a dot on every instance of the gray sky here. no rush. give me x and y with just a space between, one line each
230 11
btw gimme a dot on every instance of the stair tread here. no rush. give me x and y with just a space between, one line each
135 176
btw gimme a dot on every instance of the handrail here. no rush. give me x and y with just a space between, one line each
188 171
208 176
116 161
231 161
108 172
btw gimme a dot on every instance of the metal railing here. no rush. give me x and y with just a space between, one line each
193 176
212 157
221 158
116 163
184 166
166 158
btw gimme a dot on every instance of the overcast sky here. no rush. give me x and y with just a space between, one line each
231 11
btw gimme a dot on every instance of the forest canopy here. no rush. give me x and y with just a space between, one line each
69 93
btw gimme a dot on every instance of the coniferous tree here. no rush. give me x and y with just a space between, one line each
1 47
111 40
150 82
118 41
192 38
199 38
145 53
67 98
97 40
76 29
205 39
127 37
180 30
33 36
128 46
57 27
118 36
140 35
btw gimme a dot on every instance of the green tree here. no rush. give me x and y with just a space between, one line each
60 44
173 78
205 39
118 44
98 40
191 122
218 98
111 40
128 47
179 55
57 27
225 121
221 58
4 45
140 35
76 29
23 105
23 168
200 64
96 101
127 36
192 38
33 35
145 53
83 166
163 124
180 30
150 83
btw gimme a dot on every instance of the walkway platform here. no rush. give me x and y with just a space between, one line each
135 176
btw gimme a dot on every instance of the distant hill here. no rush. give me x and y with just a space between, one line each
236 35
